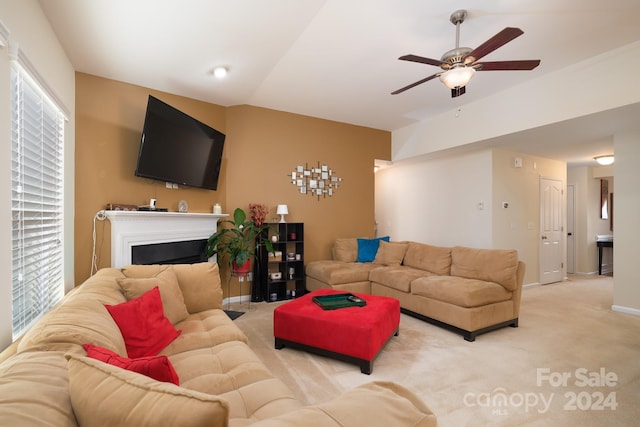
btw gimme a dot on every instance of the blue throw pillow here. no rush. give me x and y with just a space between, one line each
368 248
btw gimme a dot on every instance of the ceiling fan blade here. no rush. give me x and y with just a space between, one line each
507 65
421 59
500 39
419 82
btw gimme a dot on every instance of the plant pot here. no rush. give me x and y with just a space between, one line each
241 270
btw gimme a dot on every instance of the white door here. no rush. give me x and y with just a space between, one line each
571 202
550 230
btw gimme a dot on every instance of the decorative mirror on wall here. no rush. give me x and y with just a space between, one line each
604 199
317 181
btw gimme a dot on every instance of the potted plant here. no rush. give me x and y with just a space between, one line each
237 242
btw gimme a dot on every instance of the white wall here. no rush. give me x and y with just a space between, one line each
626 211
436 201
28 28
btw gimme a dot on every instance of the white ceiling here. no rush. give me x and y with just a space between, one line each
337 59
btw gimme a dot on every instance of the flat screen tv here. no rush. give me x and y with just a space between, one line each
179 149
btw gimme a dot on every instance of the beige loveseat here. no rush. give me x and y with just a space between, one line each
47 380
470 291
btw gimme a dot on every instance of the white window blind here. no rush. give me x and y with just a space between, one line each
37 135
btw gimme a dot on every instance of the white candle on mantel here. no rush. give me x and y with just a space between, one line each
217 209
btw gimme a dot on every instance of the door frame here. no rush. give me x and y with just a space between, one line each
571 228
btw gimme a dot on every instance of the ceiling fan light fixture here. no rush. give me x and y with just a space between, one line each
457 77
605 160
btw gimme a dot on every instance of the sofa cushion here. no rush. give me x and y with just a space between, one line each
220 369
80 318
492 265
460 291
435 259
170 292
105 395
200 282
345 250
235 373
374 404
144 327
203 330
34 390
337 272
157 367
368 248
397 277
390 253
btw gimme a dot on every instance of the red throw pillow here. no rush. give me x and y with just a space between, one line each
157 367
143 325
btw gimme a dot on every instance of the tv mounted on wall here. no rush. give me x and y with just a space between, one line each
179 149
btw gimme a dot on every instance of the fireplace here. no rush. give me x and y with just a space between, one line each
139 237
186 252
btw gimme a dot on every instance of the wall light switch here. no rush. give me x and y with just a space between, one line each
505 205
518 162
480 206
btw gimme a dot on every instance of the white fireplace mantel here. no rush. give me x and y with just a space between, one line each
134 228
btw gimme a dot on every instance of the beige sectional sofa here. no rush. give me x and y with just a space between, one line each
46 379
467 290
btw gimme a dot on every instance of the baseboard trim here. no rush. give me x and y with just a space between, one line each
626 310
236 300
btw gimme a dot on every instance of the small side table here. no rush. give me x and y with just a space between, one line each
602 244
240 280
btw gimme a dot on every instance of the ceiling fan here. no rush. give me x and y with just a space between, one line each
460 64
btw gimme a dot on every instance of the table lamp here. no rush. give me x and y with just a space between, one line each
282 210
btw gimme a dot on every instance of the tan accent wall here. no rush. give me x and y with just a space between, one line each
262 148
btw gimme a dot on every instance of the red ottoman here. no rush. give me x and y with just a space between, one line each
352 334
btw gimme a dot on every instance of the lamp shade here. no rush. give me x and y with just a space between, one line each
282 210
605 160
457 77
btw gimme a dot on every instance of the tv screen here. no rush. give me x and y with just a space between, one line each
179 149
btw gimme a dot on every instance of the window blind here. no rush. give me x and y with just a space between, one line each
37 135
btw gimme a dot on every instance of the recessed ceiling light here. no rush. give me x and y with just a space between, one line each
220 72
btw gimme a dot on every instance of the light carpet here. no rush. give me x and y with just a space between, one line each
572 361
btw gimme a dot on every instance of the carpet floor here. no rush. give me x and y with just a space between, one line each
572 361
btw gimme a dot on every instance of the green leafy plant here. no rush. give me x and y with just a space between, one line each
237 240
